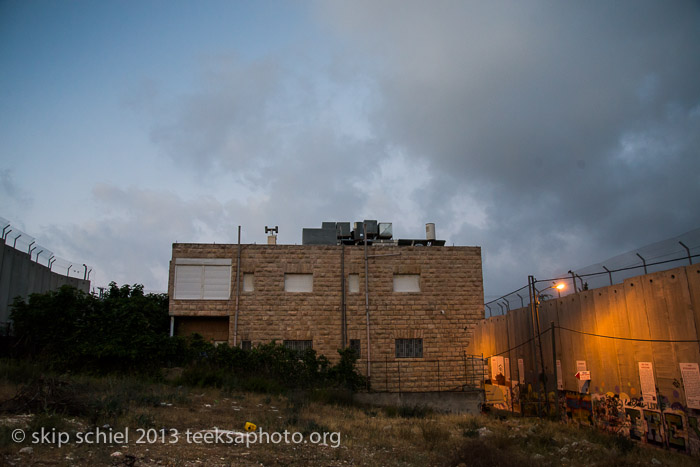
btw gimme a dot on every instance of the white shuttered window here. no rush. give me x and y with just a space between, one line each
202 279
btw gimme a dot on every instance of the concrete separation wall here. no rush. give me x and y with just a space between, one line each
635 346
21 277
454 402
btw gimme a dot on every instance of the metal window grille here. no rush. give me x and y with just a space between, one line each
409 348
355 346
299 345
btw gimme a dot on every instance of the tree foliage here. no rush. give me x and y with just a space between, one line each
127 330
268 367
72 330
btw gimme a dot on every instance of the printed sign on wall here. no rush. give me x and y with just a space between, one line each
647 382
582 385
497 371
560 376
691 384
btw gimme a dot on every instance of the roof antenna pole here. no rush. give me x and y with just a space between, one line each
238 290
364 234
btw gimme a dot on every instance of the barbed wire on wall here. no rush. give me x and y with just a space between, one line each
22 241
612 271
561 328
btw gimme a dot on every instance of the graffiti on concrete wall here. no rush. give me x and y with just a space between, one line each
672 426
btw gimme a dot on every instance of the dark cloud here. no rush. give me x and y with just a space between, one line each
575 125
551 134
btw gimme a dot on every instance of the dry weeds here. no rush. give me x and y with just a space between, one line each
369 436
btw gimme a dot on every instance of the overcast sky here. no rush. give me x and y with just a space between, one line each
552 134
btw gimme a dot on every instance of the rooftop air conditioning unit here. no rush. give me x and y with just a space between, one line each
385 230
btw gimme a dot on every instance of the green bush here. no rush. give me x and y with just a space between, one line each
127 331
68 329
268 368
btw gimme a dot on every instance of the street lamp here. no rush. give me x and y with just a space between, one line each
560 286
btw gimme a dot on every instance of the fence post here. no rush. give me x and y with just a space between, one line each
386 372
398 370
466 373
510 363
687 250
556 379
536 317
609 274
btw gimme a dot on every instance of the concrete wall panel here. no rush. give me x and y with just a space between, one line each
638 329
20 277
659 306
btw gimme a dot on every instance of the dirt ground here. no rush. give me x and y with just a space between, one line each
206 427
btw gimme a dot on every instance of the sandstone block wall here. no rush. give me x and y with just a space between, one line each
443 313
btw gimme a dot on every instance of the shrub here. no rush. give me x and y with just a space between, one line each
414 411
127 331
68 329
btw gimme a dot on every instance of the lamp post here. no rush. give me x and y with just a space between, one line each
536 306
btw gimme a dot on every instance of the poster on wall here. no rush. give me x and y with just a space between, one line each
582 385
647 382
497 371
691 384
521 371
560 377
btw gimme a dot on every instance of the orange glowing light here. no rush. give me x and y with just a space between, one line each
560 286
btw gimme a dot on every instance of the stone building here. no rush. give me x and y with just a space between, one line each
408 307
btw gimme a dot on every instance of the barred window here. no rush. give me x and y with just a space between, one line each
355 346
409 348
246 345
299 345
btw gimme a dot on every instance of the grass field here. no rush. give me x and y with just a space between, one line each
74 406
